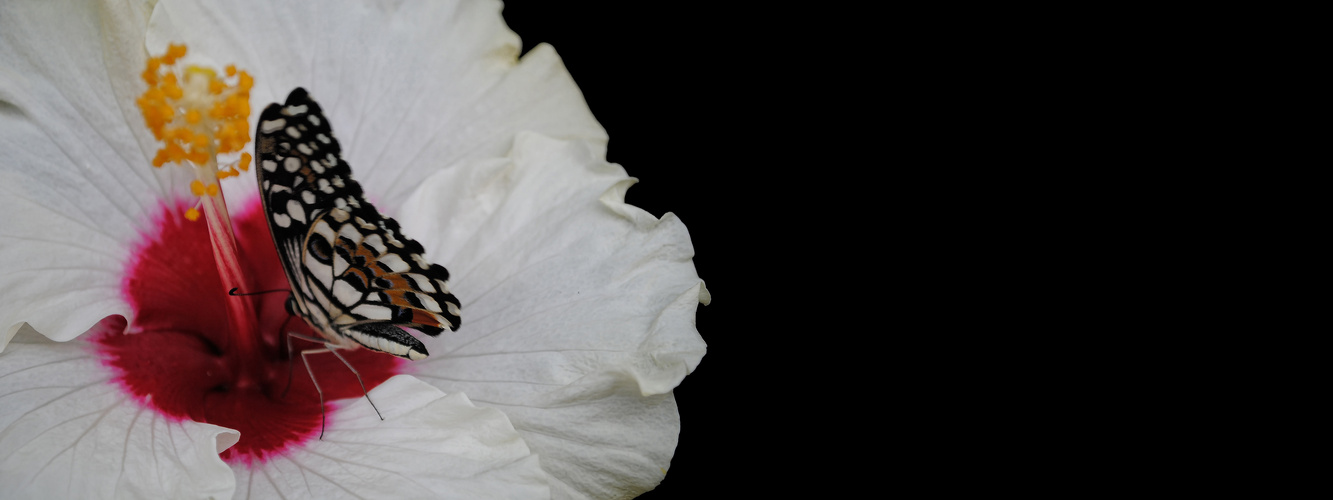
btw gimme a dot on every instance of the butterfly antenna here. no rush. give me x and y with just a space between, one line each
358 380
234 293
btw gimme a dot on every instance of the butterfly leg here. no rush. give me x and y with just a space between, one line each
289 360
323 417
358 380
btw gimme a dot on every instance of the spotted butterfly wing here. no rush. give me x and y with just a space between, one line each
354 276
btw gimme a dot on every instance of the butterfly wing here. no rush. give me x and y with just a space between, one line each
352 272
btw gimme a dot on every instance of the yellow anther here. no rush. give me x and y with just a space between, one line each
174 52
192 214
174 152
181 135
197 114
171 88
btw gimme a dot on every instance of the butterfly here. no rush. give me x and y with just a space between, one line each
354 277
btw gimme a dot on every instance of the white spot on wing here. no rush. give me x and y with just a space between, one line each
304 149
375 242
308 197
428 302
294 110
350 232
270 165
296 134
320 271
372 311
315 120
282 220
423 283
322 138
421 261
296 210
322 228
345 293
339 265
291 164
394 263
272 126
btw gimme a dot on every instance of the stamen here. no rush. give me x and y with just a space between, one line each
198 115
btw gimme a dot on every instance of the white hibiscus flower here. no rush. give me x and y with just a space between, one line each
577 308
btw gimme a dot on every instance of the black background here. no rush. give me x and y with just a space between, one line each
670 87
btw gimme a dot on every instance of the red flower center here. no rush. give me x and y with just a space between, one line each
179 358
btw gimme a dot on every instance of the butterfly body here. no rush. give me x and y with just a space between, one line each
355 278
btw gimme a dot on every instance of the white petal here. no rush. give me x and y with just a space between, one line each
76 184
408 86
428 446
67 431
578 310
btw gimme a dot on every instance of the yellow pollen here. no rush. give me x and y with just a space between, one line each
245 162
197 113
174 52
192 214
